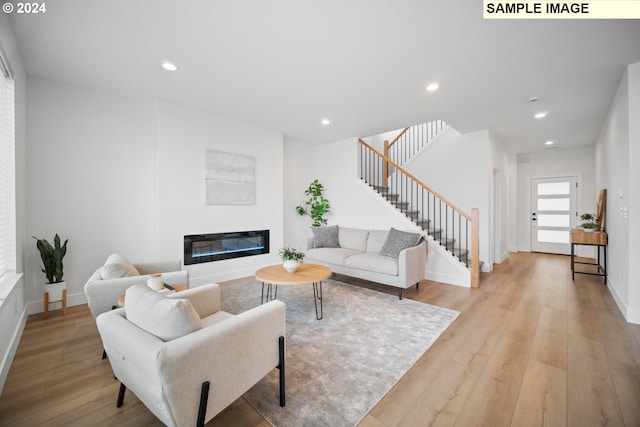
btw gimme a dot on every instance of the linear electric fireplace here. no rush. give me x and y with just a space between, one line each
200 248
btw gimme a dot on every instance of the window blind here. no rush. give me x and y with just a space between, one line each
7 169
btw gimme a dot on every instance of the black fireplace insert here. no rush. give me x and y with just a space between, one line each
199 248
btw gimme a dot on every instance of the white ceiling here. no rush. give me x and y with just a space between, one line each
364 64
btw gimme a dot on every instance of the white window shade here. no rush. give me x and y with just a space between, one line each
7 173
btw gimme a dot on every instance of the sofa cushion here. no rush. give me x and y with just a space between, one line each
166 318
325 237
117 266
376 240
334 256
353 238
373 262
397 241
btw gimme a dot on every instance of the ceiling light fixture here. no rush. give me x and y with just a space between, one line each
433 87
325 122
169 66
549 143
534 99
541 115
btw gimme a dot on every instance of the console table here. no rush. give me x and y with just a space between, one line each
597 239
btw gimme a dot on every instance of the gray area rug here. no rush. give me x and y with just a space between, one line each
338 368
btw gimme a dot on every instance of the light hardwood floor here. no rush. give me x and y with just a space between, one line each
530 347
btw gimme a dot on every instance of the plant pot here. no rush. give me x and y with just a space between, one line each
291 266
55 290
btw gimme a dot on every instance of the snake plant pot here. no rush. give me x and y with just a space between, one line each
55 290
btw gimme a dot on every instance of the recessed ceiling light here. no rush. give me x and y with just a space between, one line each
169 66
433 87
541 115
325 122
549 143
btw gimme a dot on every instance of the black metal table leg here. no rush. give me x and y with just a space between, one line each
317 295
605 263
573 267
270 294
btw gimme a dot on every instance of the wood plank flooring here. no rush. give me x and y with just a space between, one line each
530 348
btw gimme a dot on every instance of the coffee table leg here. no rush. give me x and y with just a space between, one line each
317 295
270 294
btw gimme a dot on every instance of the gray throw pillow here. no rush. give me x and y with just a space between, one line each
397 241
325 237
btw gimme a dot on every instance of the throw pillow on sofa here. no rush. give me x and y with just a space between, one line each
397 241
117 266
325 237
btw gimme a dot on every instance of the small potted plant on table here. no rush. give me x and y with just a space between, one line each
291 258
588 222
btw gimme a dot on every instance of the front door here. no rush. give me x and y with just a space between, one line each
553 214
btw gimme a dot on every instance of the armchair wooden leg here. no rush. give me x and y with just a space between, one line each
123 388
400 293
202 410
281 368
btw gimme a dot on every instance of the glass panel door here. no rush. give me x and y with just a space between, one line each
553 214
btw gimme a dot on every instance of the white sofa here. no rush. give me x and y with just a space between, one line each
390 257
108 282
187 360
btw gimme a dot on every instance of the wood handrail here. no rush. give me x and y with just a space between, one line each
416 180
398 137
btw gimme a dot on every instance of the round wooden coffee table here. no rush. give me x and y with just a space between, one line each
275 275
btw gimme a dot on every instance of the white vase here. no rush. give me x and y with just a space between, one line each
155 282
291 266
55 290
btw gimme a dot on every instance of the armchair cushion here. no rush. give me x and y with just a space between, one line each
116 267
165 318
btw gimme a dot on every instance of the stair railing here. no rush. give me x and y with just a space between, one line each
409 141
437 216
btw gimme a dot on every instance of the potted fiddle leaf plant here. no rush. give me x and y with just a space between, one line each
291 258
316 206
52 266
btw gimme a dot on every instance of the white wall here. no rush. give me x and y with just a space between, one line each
183 135
13 313
299 171
500 214
633 309
617 157
554 163
459 167
126 175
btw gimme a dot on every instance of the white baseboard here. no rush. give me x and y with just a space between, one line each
37 306
630 315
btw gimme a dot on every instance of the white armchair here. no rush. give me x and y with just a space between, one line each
184 358
108 282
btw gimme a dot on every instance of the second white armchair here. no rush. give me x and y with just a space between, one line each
110 281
